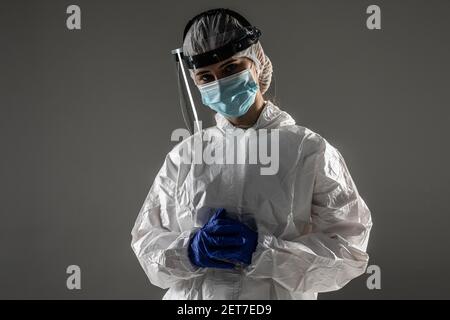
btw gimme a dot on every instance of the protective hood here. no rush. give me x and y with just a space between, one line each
271 117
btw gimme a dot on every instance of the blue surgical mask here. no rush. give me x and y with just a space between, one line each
231 96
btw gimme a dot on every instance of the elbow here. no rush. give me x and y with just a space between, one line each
336 277
351 269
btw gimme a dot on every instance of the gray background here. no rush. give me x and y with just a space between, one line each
86 118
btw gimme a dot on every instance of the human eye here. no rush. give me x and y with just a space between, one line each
205 78
230 68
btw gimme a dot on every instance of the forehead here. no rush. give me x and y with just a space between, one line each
218 65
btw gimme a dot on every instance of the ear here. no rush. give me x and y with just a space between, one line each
254 72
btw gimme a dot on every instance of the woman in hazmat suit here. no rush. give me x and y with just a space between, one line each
220 230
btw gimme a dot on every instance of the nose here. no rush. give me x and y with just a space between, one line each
216 76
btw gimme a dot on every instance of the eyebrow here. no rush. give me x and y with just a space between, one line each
221 66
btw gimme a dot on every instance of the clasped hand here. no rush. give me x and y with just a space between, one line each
223 243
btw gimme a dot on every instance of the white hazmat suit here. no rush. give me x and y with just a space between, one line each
313 226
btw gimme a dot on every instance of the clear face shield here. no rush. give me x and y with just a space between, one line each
188 93
194 114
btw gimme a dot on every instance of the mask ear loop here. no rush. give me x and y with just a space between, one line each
256 79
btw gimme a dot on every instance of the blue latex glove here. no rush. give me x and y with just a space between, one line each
222 243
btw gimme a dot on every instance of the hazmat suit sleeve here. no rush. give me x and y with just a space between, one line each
156 238
333 252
